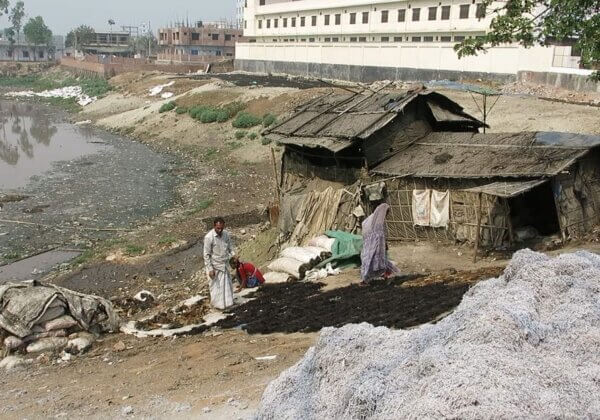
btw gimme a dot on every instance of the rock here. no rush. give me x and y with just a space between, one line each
127 411
13 362
120 346
206 409
243 231
12 343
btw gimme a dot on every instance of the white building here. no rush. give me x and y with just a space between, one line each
373 39
239 12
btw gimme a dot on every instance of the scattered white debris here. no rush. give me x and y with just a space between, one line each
266 358
167 95
193 301
66 92
145 296
526 344
158 89
86 122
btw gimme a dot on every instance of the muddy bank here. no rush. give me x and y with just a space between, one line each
75 184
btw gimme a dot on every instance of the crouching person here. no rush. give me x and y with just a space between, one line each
248 276
218 250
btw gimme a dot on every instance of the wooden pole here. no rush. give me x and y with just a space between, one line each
477 232
511 233
277 190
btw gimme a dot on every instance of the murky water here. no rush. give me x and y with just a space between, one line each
31 141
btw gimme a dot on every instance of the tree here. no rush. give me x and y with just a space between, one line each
17 13
83 34
37 33
145 44
530 22
4 7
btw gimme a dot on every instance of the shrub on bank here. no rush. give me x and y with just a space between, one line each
268 120
246 120
169 106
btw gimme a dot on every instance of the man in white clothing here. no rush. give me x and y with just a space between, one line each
218 250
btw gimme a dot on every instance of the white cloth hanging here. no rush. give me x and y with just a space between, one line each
440 208
421 207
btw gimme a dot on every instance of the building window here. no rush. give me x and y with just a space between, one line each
401 15
260 24
268 23
275 23
385 39
384 16
303 40
416 16
313 20
326 19
416 39
480 11
353 39
245 24
302 21
311 40
293 22
215 37
196 35
327 39
194 52
227 37
446 38
352 18
218 53
464 11
397 39
285 22
335 39
432 13
459 38
445 12
427 39
338 19
365 17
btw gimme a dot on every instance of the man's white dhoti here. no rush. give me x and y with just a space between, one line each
221 290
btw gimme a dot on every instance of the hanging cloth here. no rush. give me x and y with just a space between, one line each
421 207
440 208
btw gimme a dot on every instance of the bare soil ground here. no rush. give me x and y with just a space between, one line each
215 374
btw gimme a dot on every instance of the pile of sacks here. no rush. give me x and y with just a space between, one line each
524 345
36 318
295 262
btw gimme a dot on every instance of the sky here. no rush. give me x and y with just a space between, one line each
63 15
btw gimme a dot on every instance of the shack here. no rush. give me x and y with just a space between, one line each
335 136
492 189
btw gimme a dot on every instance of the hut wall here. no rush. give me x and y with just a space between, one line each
463 213
577 195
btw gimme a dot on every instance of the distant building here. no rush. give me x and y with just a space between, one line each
202 42
58 44
109 43
24 52
239 13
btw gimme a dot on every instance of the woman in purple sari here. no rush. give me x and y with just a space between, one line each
374 261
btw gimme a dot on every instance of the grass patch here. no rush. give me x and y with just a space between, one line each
86 256
167 240
252 136
240 134
181 110
91 86
268 120
210 153
201 205
134 250
12 256
209 114
264 141
235 145
169 106
246 120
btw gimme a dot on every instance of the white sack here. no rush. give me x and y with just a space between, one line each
440 208
287 265
322 242
303 255
80 344
36 336
61 323
421 207
47 345
13 362
276 277
12 342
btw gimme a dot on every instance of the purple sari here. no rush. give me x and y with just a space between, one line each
373 256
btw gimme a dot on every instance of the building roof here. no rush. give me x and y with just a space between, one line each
499 155
507 189
335 121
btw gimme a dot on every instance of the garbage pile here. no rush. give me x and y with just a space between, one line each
525 344
36 318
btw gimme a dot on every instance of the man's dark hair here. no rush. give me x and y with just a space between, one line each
218 220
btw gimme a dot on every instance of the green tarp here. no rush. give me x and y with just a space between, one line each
345 250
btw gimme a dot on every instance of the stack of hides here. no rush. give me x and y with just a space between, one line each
296 261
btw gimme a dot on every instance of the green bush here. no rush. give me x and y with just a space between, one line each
234 108
240 134
169 106
222 115
268 120
264 141
252 136
246 120
209 116
181 110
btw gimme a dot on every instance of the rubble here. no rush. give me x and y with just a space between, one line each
65 93
524 344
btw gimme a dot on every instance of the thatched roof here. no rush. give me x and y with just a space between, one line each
468 155
335 121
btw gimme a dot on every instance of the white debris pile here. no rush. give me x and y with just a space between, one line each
156 90
38 318
526 344
65 93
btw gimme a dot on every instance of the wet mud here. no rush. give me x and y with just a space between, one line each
302 307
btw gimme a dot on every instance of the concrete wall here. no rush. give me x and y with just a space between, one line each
577 82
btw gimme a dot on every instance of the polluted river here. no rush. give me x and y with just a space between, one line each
65 186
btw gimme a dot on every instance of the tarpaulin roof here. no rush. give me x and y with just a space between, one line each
352 116
470 155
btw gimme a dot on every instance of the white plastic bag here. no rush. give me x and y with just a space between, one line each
322 242
289 266
276 277
301 254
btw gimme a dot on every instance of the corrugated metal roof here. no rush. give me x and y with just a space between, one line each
507 189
